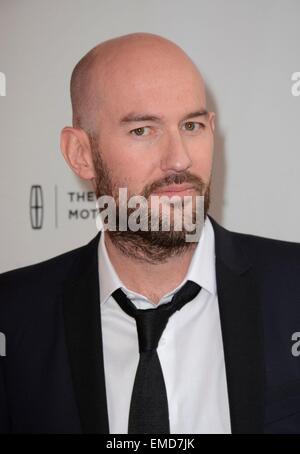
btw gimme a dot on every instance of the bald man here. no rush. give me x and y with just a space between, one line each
141 331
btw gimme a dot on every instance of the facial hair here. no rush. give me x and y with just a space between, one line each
147 246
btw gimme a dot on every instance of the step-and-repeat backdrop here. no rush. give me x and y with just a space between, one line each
248 52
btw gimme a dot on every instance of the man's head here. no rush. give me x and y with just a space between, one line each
140 122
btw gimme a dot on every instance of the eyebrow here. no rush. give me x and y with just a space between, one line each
133 117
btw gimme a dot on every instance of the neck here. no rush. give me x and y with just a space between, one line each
153 280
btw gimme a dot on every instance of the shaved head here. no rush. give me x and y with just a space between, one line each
119 59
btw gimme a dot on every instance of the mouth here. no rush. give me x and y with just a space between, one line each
177 189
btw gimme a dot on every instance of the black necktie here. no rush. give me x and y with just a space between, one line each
149 412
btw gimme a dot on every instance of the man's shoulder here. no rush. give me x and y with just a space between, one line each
261 246
259 249
31 296
45 273
275 261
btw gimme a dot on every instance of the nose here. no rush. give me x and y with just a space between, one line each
175 156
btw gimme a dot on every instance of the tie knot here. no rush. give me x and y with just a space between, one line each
152 322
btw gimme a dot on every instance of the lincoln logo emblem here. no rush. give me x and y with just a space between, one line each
36 207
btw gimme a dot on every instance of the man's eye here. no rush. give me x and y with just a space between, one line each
193 126
141 131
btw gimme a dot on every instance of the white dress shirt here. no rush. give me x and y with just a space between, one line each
190 349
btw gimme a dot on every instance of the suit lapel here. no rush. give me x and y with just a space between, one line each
242 331
81 306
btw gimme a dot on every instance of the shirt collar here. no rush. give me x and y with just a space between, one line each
201 269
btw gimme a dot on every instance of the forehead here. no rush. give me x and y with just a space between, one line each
162 89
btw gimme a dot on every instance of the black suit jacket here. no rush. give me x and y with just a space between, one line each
52 377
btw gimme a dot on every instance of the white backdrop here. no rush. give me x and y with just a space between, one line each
248 52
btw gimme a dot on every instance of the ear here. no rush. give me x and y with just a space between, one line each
212 117
76 149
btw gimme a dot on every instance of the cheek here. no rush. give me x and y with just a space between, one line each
202 157
128 168
117 160
128 172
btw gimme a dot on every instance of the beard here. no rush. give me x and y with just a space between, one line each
152 246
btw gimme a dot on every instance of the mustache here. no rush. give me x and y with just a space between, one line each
173 179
